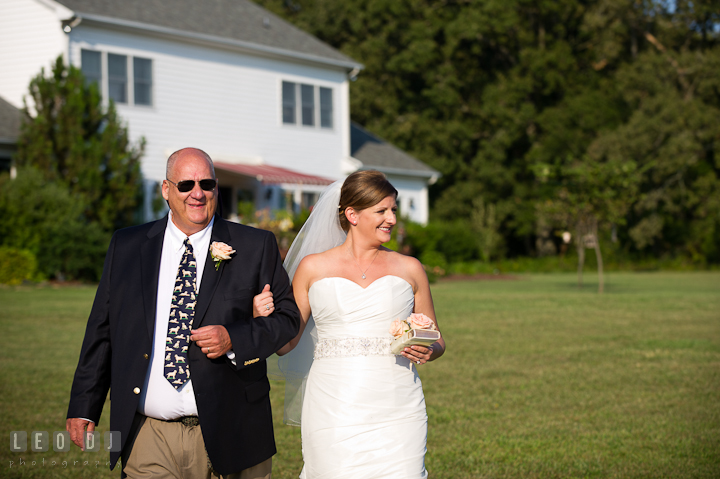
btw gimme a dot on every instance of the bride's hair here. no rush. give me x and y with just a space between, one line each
361 190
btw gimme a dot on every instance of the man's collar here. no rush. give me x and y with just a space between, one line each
177 237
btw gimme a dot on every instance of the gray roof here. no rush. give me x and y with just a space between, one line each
9 122
237 21
376 153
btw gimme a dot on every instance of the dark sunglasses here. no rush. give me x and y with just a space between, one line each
188 185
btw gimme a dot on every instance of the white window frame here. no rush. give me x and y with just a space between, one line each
130 79
100 57
332 108
129 90
151 93
298 106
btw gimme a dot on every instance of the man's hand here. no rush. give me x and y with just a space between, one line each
214 341
263 303
76 427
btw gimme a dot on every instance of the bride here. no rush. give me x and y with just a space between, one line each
362 408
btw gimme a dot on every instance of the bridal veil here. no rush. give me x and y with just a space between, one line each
320 233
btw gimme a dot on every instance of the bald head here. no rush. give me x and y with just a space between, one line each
172 159
192 209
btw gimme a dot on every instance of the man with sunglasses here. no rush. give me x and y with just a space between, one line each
169 304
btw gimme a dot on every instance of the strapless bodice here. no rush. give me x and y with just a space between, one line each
363 410
344 309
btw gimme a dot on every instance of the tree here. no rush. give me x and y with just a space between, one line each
483 222
581 189
637 147
44 218
588 192
460 85
490 93
671 130
73 140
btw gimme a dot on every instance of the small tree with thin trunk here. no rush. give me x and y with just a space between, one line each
586 236
485 223
72 139
584 194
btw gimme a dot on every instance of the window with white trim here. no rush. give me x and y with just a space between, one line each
304 104
142 81
307 97
113 72
117 77
288 102
92 66
326 107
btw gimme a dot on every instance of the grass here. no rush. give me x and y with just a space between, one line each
568 264
541 379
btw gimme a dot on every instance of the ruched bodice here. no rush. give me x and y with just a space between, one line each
363 410
342 308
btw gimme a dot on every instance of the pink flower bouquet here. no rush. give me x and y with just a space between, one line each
416 329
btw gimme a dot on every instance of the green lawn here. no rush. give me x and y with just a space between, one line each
541 379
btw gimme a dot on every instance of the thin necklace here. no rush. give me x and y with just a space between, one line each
358 264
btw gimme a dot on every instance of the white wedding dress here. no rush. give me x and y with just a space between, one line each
363 413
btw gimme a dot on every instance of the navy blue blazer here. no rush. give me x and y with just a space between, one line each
233 400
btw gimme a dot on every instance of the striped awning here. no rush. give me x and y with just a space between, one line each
272 175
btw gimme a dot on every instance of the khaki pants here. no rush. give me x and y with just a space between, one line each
174 451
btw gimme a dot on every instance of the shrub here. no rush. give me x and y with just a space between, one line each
16 265
434 263
455 240
421 238
458 242
246 211
74 250
42 217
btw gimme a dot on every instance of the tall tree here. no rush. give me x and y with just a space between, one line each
69 136
489 92
460 86
671 131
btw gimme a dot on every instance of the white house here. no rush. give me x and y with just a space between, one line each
9 130
267 101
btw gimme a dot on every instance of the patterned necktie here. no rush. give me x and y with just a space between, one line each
182 311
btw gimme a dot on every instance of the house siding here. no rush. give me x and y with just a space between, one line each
225 98
31 37
411 190
226 102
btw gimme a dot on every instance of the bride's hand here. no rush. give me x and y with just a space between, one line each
263 303
418 354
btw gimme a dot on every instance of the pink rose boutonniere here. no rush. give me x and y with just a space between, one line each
416 329
220 252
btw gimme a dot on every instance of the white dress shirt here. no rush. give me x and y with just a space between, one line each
159 399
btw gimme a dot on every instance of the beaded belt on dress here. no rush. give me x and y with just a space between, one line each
345 347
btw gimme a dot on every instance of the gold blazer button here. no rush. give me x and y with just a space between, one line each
136 390
145 356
